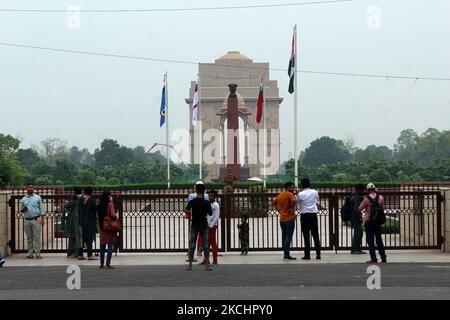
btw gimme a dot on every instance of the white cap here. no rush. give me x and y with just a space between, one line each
199 182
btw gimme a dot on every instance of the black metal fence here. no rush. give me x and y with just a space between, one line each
156 222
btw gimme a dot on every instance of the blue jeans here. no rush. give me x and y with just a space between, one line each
358 233
108 256
287 231
195 231
373 233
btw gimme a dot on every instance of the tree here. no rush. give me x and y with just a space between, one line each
10 170
65 170
112 154
53 148
373 153
406 144
325 151
82 158
27 157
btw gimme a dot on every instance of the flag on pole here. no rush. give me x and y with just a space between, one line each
291 70
195 106
260 103
162 111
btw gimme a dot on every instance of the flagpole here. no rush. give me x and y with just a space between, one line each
200 169
296 155
265 132
167 131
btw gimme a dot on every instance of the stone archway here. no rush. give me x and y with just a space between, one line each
215 78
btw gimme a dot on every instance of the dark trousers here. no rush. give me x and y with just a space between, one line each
287 231
357 233
310 226
88 248
373 233
108 255
195 231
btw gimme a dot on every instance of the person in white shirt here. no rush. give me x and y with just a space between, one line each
308 199
213 222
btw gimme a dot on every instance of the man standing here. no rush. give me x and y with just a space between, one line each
213 222
308 199
192 196
353 202
33 210
73 231
285 203
200 209
373 207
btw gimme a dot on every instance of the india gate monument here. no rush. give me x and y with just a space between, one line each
229 90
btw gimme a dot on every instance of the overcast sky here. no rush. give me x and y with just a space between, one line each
83 99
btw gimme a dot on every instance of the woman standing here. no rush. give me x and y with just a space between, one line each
107 238
87 220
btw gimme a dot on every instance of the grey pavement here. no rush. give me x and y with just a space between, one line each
231 282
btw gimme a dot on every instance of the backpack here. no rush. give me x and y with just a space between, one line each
346 210
377 214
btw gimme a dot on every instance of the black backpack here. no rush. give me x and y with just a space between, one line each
346 210
377 214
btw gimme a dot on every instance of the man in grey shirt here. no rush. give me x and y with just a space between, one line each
33 209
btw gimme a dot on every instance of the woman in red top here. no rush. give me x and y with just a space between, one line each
107 238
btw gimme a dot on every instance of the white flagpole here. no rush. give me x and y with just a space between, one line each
200 129
167 131
296 155
265 131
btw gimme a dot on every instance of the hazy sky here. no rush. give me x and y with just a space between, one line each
83 99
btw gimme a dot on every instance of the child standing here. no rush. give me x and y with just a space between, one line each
244 235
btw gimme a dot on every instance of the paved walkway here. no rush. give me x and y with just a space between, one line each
230 282
254 258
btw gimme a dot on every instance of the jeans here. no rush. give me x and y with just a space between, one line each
358 233
108 256
287 231
310 226
195 231
373 233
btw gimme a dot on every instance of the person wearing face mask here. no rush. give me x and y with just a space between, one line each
107 238
73 232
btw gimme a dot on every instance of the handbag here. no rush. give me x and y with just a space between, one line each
111 225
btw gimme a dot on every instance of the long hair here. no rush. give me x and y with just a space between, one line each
102 208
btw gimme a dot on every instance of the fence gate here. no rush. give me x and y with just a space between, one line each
156 223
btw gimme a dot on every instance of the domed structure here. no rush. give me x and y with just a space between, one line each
234 55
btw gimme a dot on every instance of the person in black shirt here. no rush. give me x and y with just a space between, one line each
200 209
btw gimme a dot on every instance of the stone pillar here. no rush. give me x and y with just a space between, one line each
4 222
246 137
446 219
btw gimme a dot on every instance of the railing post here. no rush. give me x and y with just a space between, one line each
120 210
228 210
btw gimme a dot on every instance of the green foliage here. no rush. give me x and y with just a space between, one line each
325 151
10 171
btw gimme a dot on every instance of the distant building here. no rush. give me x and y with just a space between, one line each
215 77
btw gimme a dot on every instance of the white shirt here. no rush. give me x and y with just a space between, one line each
193 196
214 219
308 200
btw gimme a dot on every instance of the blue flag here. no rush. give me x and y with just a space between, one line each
162 111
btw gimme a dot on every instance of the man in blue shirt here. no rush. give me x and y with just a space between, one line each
33 209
